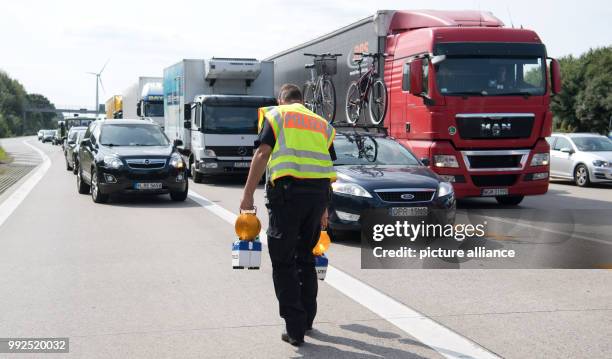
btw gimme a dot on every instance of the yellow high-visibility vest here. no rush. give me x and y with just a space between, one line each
302 144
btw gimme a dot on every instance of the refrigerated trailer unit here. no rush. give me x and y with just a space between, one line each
144 100
466 94
211 107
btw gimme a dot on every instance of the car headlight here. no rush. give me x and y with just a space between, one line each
540 159
209 153
112 162
600 163
176 161
445 189
351 189
449 161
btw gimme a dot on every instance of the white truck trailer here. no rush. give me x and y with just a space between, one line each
210 107
145 100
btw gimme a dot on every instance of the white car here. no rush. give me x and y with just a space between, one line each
583 157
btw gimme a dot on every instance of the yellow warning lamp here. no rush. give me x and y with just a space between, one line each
322 244
247 225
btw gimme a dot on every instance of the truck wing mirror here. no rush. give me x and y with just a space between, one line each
555 76
178 143
416 77
138 111
187 124
187 112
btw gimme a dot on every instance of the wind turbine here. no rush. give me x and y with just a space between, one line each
99 81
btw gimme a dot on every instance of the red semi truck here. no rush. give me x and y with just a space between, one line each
467 95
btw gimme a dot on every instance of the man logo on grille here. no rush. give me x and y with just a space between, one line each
407 196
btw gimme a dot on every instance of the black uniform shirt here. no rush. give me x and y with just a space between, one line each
267 136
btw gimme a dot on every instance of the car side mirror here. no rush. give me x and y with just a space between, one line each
178 143
425 161
71 142
416 77
567 150
555 76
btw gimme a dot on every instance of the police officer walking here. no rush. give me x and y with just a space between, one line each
296 146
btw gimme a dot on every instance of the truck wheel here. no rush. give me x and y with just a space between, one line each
197 176
509 200
96 195
180 196
581 176
82 187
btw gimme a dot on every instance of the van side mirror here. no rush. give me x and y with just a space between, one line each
138 110
187 113
416 77
555 76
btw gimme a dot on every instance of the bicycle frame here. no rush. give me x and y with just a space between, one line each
368 76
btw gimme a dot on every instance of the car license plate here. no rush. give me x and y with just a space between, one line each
491 192
147 185
408 211
242 164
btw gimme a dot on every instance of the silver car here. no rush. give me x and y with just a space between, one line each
582 157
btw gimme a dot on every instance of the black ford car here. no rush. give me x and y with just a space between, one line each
129 156
377 176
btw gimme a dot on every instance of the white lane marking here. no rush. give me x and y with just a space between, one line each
440 338
14 200
544 229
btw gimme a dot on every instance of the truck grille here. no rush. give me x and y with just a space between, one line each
508 161
505 126
232 151
396 195
494 180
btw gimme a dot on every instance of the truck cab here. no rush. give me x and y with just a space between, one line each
151 103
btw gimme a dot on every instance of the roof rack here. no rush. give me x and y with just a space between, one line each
376 129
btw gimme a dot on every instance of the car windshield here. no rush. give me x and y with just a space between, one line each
154 109
490 76
50 133
593 144
226 119
132 135
369 150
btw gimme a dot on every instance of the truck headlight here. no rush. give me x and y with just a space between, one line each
600 163
449 161
176 161
113 162
540 159
351 189
445 189
209 153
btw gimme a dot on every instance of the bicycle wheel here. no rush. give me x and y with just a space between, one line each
353 103
328 101
377 102
309 99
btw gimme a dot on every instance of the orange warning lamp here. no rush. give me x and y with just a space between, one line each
322 244
247 225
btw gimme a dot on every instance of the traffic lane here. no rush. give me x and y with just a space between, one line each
463 299
130 272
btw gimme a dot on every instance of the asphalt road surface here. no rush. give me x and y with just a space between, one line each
147 277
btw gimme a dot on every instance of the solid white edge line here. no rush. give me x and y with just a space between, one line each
440 338
14 200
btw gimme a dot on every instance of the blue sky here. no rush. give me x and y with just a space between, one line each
50 45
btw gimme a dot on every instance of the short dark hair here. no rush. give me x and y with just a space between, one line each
290 93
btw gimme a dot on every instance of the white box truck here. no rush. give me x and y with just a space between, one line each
210 106
145 100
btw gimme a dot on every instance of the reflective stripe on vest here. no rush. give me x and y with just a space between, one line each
302 143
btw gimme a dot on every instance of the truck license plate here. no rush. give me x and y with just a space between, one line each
147 185
242 164
408 211
491 192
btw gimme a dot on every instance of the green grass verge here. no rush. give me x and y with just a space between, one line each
4 158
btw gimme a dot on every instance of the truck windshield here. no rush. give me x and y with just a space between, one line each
370 150
491 76
228 120
133 135
154 109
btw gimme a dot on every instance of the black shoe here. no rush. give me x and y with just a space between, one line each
286 338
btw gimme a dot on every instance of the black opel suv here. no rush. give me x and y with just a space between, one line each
129 157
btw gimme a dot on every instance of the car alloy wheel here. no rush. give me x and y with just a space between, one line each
96 195
581 176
